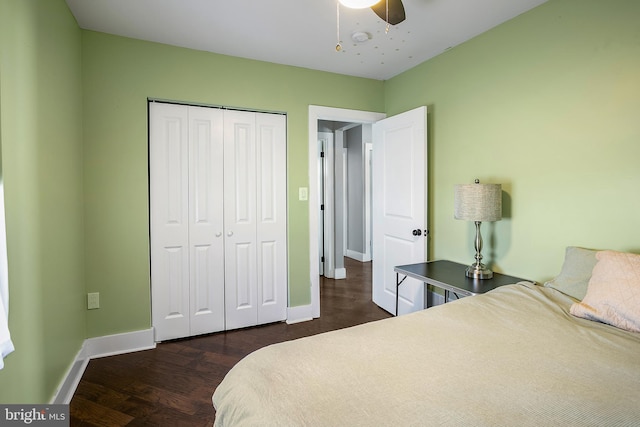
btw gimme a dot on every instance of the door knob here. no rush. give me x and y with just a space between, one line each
230 233
218 234
417 232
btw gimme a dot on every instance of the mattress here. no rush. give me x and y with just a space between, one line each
511 357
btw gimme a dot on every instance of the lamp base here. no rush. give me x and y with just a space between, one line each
478 271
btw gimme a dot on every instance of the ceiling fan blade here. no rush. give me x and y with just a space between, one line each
396 11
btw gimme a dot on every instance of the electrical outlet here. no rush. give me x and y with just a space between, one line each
93 300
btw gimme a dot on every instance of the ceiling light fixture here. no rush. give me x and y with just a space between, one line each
360 36
358 4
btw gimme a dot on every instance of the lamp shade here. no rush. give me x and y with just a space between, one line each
358 4
478 202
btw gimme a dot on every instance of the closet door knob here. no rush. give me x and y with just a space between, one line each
230 233
218 234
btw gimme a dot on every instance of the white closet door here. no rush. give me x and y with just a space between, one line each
169 216
206 241
218 219
187 249
271 216
240 219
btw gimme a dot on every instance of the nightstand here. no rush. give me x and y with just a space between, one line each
450 276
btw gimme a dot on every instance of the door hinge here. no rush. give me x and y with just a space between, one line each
322 154
321 207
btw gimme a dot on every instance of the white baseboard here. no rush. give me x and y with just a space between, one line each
94 348
72 378
127 342
301 313
358 256
336 273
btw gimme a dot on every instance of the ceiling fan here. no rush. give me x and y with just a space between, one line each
391 11
395 14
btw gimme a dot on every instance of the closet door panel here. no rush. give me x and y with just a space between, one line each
271 227
206 220
243 279
240 219
169 233
269 289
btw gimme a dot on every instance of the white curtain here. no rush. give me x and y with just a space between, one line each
6 346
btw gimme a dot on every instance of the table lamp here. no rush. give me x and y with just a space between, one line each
478 203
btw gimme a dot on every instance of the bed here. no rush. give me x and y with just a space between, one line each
520 355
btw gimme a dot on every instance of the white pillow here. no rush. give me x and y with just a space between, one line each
613 295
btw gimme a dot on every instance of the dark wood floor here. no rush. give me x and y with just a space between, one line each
172 384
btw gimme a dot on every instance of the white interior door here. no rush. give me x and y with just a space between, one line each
240 219
271 217
329 266
187 275
399 208
255 218
169 216
206 241
322 141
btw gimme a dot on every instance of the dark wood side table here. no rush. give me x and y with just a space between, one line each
450 276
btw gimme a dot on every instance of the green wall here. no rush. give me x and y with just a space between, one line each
548 104
119 75
41 137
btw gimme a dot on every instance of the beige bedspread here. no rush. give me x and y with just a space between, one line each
512 357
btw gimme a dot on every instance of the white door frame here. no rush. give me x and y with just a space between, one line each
328 226
368 242
334 114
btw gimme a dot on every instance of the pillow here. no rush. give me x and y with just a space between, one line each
573 279
613 296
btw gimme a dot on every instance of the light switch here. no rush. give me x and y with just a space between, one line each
303 193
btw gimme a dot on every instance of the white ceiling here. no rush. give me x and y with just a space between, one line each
302 33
